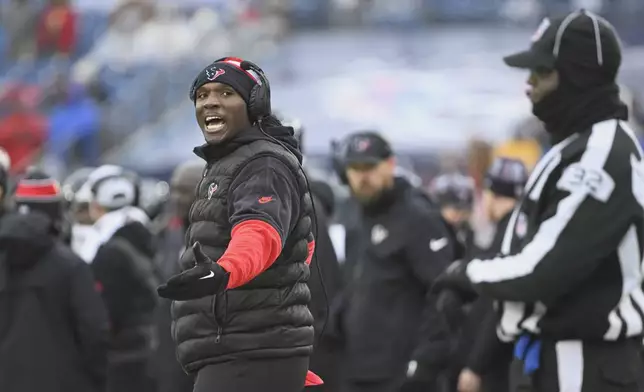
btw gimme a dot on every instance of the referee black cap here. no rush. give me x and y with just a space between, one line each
580 38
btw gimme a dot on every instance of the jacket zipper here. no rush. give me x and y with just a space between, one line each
214 315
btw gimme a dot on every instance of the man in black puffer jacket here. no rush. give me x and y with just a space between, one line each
241 317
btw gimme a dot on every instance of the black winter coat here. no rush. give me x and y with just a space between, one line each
125 271
268 316
54 328
391 317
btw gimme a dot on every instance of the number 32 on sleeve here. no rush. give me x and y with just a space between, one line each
592 181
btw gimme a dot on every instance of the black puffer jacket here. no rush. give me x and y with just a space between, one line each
269 316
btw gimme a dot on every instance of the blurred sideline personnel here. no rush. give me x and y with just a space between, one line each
241 316
77 209
485 360
121 250
454 195
185 178
54 328
570 294
388 302
5 166
325 282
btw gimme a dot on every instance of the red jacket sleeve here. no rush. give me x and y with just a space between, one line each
253 247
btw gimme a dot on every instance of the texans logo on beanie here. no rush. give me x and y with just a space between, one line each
39 192
228 72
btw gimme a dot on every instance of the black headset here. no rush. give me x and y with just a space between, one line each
259 102
338 157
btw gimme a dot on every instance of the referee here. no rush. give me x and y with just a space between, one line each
569 294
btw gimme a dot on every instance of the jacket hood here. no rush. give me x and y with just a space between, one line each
25 238
281 135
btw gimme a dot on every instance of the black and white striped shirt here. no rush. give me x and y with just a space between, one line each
577 270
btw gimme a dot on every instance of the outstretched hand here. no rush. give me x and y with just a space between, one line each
204 279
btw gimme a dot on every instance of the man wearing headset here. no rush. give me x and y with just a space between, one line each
241 320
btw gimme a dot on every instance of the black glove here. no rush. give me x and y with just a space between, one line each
204 279
455 278
421 377
451 305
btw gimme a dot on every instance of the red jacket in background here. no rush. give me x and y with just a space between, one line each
22 135
57 29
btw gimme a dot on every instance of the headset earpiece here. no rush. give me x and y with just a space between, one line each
259 103
338 156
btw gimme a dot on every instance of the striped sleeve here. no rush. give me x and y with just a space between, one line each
584 218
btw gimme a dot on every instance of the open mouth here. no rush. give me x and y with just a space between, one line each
214 123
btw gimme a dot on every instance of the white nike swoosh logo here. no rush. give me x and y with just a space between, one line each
438 244
212 274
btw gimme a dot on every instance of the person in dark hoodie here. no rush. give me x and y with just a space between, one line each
395 339
5 166
121 250
453 194
241 316
54 326
483 360
185 178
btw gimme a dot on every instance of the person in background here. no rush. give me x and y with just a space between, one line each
23 130
74 123
527 144
121 251
18 19
483 358
56 30
54 325
395 339
5 167
185 178
479 157
77 209
503 188
454 195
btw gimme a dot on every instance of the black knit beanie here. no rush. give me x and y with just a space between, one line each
228 72
506 177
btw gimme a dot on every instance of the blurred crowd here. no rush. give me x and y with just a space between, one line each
79 77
